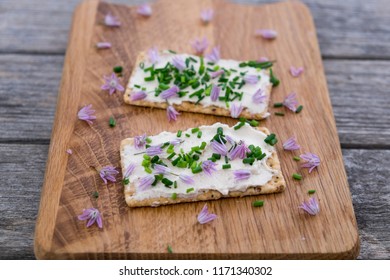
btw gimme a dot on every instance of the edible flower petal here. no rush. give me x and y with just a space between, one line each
171 92
145 10
129 170
172 113
69 151
209 167
263 59
107 173
146 182
179 62
214 55
296 72
206 15
186 179
239 151
161 169
214 95
154 151
235 109
200 45
86 114
216 74
154 56
112 84
251 79
205 216
138 95
291 144
291 101
311 207
259 96
111 21
219 148
140 141
267 33
241 174
312 161
93 216
103 45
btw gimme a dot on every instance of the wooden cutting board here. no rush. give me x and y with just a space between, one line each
277 230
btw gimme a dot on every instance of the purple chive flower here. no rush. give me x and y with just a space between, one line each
175 141
214 55
230 139
111 21
241 174
140 141
146 182
112 84
107 173
215 93
154 151
312 161
291 144
206 15
129 170
179 62
311 207
93 216
86 114
161 169
263 59
172 113
235 109
186 179
295 72
145 10
216 74
103 45
209 167
251 79
259 96
171 92
138 95
153 54
219 148
267 33
200 45
239 151
69 151
205 216
291 102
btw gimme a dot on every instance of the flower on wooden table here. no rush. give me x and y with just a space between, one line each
153 54
312 161
259 96
145 10
241 174
172 113
296 71
112 84
200 45
291 101
235 109
107 173
267 33
140 141
86 114
214 55
291 144
103 45
311 207
263 59
138 95
93 216
209 167
206 15
111 21
205 216
69 151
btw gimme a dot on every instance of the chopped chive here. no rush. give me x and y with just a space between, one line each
174 195
297 176
155 159
148 140
296 158
171 155
197 169
95 194
141 65
194 130
169 248
175 184
118 69
195 157
171 51
274 81
179 133
213 159
226 159
279 114
193 59
311 191
112 122
189 190
175 161
226 166
199 134
258 203
278 104
149 79
299 109
217 156
253 123
125 181
271 139
146 156
220 130
237 127
167 182
242 64
148 170
248 160
203 145
188 135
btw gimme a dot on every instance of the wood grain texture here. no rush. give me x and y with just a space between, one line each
351 28
129 233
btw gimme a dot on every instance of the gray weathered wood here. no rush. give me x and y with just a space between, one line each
349 28
358 89
22 171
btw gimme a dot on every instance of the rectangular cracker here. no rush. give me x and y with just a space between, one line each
206 106
273 185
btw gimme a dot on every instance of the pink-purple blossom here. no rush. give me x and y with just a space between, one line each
69 151
176 141
172 113
311 207
216 74
263 59
230 139
154 150
206 15
219 148
205 216
188 179
111 21
291 101
235 109
146 182
200 45
107 173
239 151
171 92
145 10
296 71
312 161
241 174
251 79
214 55
138 95
103 45
129 170
291 144
179 62
154 56
161 169
214 95
259 97
267 33
86 114
112 84
209 167
140 141
93 216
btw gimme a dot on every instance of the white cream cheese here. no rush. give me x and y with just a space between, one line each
222 180
248 89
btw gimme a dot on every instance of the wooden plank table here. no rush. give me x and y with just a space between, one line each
355 46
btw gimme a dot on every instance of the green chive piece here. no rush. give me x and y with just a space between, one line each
155 159
175 184
118 69
169 248
167 182
195 157
226 159
148 140
149 79
199 134
277 105
194 130
311 191
258 203
248 160
253 123
271 139
179 133
171 155
112 122
220 130
187 135
226 166
299 109
297 158
146 156
174 195
203 145
241 124
274 81
216 156
148 170
125 181
279 114
189 190
95 194
197 169
297 176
